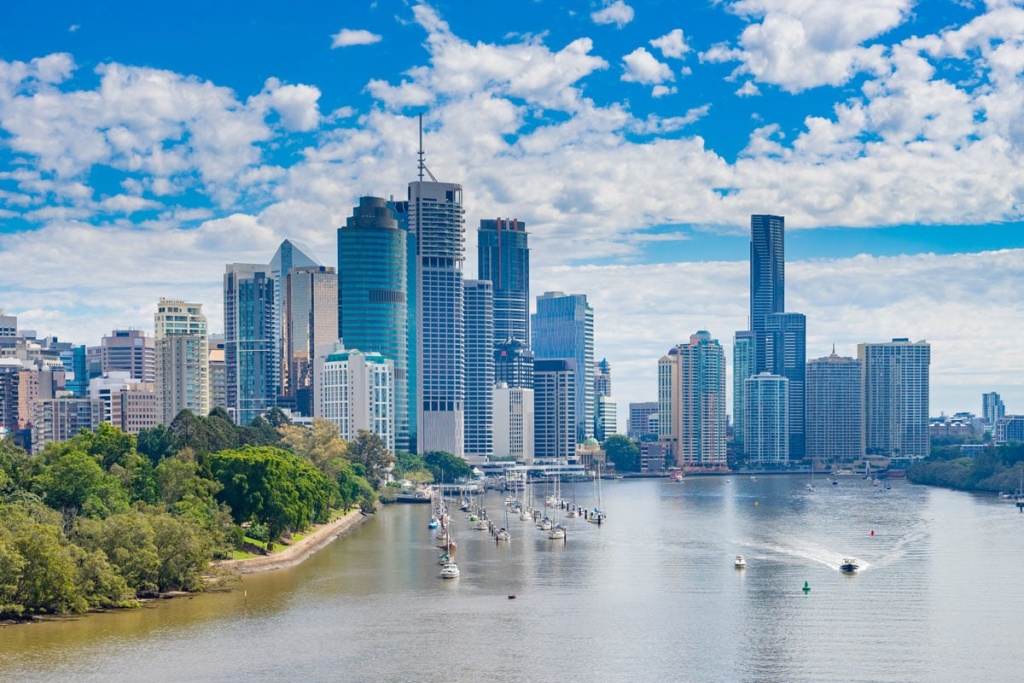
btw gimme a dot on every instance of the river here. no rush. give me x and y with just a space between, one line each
650 595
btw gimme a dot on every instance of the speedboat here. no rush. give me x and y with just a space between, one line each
740 562
450 571
849 565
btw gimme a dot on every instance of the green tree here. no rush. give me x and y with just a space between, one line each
129 542
46 581
76 483
447 468
184 551
622 452
156 443
320 443
369 450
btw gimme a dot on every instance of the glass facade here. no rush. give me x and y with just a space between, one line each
742 368
767 277
895 383
250 324
786 355
563 327
504 259
479 416
766 420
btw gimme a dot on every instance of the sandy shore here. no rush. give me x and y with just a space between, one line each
297 552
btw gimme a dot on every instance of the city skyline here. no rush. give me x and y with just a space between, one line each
105 210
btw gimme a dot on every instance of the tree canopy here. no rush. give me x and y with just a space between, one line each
447 468
622 452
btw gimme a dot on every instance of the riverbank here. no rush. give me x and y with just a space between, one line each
294 554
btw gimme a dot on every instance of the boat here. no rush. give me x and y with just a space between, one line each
596 516
503 535
450 571
740 562
544 524
432 524
481 525
676 476
849 565
557 533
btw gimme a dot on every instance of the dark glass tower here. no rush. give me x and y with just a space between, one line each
373 313
504 259
251 322
767 278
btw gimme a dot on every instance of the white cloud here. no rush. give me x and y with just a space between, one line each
672 44
618 13
748 89
801 44
662 90
347 36
642 67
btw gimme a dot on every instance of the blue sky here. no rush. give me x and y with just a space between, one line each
144 145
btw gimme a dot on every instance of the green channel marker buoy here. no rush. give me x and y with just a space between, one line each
807 587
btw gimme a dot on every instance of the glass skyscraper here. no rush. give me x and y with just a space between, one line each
742 368
767 277
373 289
251 322
436 220
290 254
786 355
310 322
479 415
513 364
563 327
504 259
766 428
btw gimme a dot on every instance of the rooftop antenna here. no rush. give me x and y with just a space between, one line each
423 164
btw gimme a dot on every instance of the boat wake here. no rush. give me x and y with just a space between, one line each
806 552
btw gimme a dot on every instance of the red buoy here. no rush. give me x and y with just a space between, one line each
872 532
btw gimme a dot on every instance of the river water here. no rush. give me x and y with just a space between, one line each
650 595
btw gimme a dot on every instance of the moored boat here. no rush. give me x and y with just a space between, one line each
450 571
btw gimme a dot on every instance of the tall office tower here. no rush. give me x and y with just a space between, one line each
743 346
834 410
554 410
374 295
290 254
605 410
992 408
436 220
356 390
131 351
129 405
691 402
638 423
250 348
504 259
786 355
182 359
563 327
513 364
895 386
767 278
400 209
766 419
218 373
513 423
310 321
479 415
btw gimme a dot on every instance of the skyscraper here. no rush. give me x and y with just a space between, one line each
743 359
605 410
834 410
638 424
513 423
767 278
895 384
250 349
374 293
513 364
554 408
765 424
992 408
436 220
310 321
563 327
218 373
131 351
182 359
479 436
786 355
290 254
504 259
691 402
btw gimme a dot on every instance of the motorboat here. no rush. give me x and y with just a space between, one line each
450 571
740 562
849 565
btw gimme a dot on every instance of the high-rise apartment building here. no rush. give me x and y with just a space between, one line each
356 390
479 414
895 378
218 373
554 409
251 323
513 423
767 278
638 423
436 220
374 296
766 422
182 359
59 419
310 321
786 355
131 351
691 402
834 410
563 328
513 364
129 405
743 364
504 258
606 421
992 408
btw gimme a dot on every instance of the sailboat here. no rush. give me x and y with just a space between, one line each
597 516
557 531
